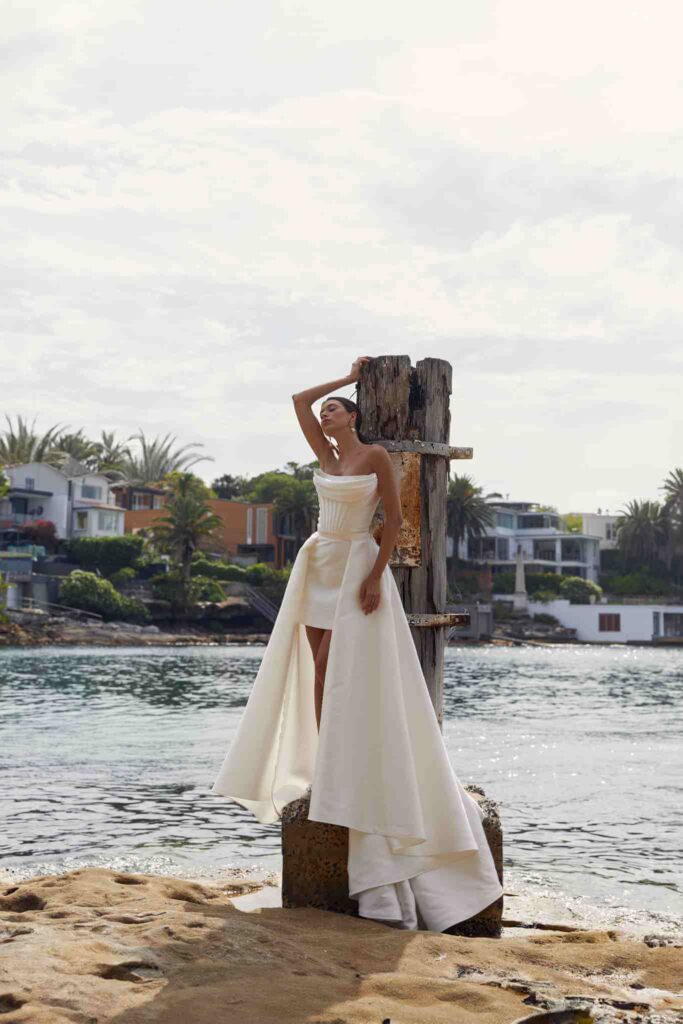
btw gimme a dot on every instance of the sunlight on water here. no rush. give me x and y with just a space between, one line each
107 758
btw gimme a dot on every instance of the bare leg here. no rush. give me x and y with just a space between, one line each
319 639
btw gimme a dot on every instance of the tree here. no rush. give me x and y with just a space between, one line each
299 499
673 502
572 523
467 514
78 447
112 453
187 519
4 484
577 590
40 531
157 458
230 488
21 443
300 472
643 530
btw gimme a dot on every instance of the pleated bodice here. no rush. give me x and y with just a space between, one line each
346 503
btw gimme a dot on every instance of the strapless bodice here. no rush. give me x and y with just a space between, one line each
346 503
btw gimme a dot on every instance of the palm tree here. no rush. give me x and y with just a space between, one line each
467 514
112 453
21 443
77 446
187 519
157 458
298 498
644 530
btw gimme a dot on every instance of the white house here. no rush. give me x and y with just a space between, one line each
602 525
546 548
616 623
79 504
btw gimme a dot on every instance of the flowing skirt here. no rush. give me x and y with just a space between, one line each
418 856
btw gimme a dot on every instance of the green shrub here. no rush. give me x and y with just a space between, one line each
217 570
636 584
579 591
204 588
108 554
122 576
168 586
91 593
504 582
258 573
545 596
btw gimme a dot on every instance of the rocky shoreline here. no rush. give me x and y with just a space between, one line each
39 630
96 945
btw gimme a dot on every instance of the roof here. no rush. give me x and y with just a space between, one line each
29 492
99 504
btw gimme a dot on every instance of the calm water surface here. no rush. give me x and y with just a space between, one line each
107 757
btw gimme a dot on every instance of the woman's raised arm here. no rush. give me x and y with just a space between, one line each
308 421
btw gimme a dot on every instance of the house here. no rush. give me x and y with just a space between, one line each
249 532
80 504
136 497
602 525
539 535
639 622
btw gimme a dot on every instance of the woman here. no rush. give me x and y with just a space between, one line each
340 704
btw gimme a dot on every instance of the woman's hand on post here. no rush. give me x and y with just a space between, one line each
355 369
369 594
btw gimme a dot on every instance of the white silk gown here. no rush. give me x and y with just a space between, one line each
418 856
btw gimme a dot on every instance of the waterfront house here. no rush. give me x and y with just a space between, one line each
80 504
546 547
624 623
249 532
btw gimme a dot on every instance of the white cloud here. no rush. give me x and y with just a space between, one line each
205 214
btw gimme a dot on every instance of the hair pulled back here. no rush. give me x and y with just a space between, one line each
350 407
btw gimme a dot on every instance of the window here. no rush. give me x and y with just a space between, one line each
261 525
89 491
571 551
107 521
503 549
142 501
505 519
673 624
656 625
609 623
81 520
250 525
30 483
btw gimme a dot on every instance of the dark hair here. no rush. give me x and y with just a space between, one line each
350 407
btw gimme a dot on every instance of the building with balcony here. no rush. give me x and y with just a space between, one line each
80 504
539 535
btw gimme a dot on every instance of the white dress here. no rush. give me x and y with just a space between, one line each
418 856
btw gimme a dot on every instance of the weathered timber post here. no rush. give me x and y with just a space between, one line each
406 409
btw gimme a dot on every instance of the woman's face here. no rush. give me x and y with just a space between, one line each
334 417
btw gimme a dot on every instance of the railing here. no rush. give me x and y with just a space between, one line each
261 603
32 604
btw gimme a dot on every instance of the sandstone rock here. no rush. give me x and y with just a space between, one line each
314 865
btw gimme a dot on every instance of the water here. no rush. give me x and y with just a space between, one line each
107 757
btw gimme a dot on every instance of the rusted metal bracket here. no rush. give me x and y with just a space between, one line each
426 621
424 448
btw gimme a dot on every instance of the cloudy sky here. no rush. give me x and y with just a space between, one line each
208 206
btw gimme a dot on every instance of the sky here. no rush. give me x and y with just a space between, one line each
208 207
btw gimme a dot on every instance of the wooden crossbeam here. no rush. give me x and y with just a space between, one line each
447 451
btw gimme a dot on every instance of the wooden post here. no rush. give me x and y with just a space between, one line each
399 402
